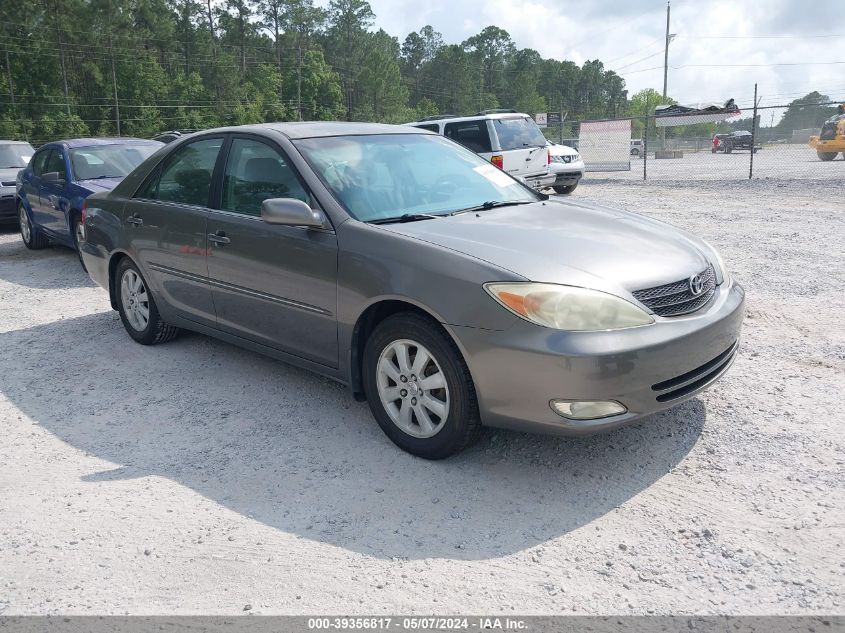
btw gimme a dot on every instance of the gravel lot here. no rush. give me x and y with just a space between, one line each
195 477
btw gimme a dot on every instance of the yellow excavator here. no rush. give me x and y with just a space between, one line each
831 141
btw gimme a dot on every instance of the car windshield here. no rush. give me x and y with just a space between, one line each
109 161
518 133
15 155
377 177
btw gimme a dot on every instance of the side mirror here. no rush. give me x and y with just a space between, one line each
289 212
52 176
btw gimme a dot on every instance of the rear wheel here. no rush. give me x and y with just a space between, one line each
419 388
78 235
137 307
826 155
32 239
564 189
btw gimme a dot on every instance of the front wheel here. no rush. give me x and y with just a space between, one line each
32 239
826 155
137 307
565 189
419 387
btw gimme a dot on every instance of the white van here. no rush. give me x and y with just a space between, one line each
509 139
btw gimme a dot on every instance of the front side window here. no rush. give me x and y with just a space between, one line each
108 161
186 177
15 155
56 163
383 176
256 172
518 133
40 161
470 134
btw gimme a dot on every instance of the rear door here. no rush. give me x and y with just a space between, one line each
521 144
274 285
31 183
165 223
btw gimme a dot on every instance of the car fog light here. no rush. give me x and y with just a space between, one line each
586 409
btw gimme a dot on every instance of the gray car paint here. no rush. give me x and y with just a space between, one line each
440 266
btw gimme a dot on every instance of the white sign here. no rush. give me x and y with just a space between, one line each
541 118
605 145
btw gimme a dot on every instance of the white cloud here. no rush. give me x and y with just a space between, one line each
622 33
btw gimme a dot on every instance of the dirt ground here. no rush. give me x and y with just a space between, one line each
195 477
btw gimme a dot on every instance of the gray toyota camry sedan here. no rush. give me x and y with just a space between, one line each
440 289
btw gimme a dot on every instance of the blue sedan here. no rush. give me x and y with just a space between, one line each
62 174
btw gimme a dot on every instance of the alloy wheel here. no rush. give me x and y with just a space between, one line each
135 301
412 388
26 229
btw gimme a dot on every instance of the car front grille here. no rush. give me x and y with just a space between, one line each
696 379
8 183
677 298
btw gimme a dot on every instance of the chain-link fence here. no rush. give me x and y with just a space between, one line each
635 148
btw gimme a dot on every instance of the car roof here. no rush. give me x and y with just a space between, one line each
474 117
5 141
91 142
314 129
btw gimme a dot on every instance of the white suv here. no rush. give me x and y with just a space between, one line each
507 138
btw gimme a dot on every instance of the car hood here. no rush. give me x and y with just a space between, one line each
9 174
99 184
562 150
578 244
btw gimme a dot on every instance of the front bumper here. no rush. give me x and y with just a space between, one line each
517 372
8 206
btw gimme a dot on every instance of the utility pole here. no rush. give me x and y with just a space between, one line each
299 82
11 86
666 52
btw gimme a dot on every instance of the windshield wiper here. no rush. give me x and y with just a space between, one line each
101 177
407 217
490 204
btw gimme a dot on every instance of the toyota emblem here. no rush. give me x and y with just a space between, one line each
696 285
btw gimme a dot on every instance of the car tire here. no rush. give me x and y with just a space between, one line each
76 228
565 189
31 237
433 420
137 307
826 155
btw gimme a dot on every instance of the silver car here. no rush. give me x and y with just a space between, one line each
439 288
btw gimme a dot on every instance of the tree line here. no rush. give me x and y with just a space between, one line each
138 67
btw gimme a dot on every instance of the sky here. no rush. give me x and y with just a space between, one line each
721 48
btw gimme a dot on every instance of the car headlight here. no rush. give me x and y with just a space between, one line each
718 262
567 307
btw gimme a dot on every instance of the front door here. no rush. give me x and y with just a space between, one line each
52 192
274 285
166 226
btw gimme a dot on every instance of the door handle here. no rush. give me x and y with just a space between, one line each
134 219
218 238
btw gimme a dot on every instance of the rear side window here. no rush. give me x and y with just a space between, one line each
56 163
39 161
470 134
431 127
518 133
256 172
186 177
